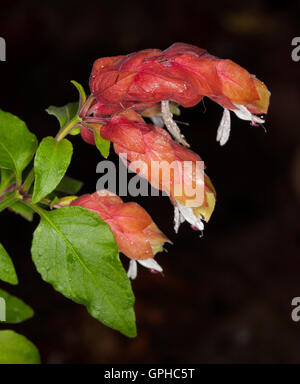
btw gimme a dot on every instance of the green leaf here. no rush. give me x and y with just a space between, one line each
64 114
50 165
23 210
75 251
63 201
16 349
69 185
16 310
80 89
5 175
7 269
54 201
7 178
75 131
17 144
102 144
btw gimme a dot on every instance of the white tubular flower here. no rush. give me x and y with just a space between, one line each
224 128
148 263
243 113
182 214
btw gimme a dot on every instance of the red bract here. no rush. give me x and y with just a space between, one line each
144 83
168 166
136 234
182 73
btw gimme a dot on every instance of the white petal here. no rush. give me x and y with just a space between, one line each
151 264
178 219
171 124
132 270
243 113
189 216
224 128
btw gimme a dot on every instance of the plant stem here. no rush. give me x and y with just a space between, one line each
67 128
28 181
93 120
8 201
85 107
11 188
34 207
18 179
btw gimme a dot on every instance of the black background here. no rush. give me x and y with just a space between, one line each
227 296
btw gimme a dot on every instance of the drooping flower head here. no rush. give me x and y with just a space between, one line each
136 234
183 74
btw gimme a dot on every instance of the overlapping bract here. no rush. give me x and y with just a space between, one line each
136 234
182 73
168 166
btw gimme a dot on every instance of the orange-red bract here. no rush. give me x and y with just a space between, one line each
182 73
150 151
136 234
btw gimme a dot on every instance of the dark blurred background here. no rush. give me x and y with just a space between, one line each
226 297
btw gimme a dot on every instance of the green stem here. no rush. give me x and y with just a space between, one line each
34 207
28 181
67 128
85 107
18 179
8 201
